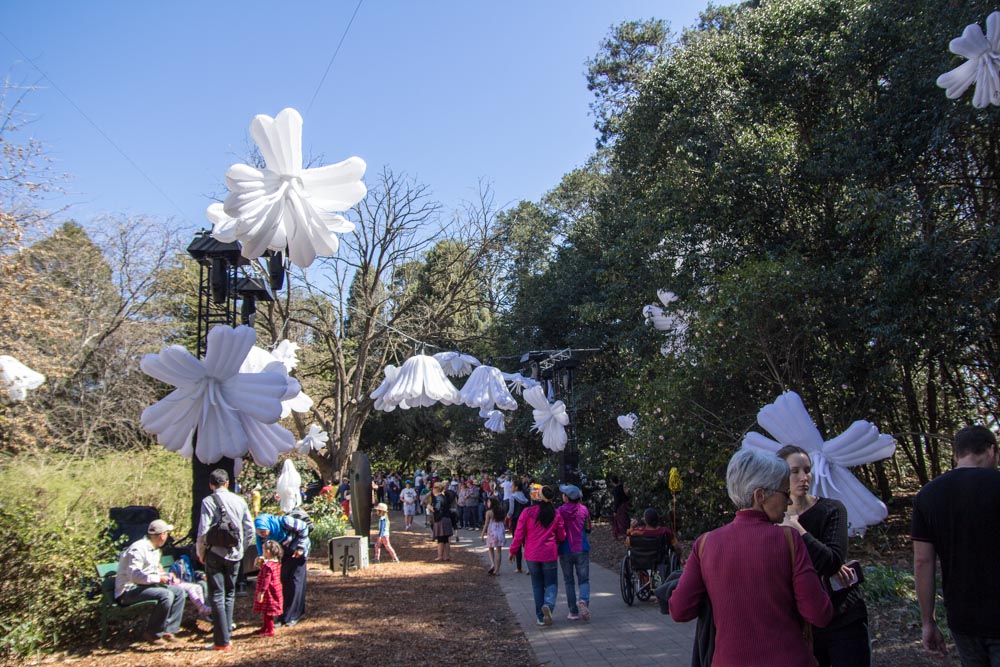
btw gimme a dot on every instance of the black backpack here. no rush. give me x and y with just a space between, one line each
223 532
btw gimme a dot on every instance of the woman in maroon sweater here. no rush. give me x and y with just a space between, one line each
760 593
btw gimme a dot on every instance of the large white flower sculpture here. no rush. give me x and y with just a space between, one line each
486 388
550 418
420 382
288 487
16 378
981 68
788 421
314 441
628 422
259 360
456 364
284 205
233 412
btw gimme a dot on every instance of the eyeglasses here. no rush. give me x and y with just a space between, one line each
786 494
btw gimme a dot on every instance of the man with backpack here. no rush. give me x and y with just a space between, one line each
224 531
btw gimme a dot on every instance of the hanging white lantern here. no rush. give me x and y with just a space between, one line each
550 419
420 382
486 388
456 364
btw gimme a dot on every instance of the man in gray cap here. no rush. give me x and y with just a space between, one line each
141 577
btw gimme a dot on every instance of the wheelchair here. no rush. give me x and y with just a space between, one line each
648 560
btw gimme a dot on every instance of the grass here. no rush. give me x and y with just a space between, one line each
71 490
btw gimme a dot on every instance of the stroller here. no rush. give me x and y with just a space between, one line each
646 564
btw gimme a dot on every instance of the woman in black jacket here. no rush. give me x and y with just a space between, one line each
440 507
822 523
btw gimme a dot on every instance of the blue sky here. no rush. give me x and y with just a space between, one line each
448 92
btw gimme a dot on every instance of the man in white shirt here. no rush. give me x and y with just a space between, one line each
408 496
140 577
505 487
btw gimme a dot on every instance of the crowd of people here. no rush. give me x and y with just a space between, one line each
805 607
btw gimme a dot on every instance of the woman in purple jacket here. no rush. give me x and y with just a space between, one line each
759 624
539 530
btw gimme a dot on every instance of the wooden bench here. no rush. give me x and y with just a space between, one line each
109 608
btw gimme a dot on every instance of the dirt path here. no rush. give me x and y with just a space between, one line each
390 614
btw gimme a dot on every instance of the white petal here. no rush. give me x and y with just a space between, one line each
226 349
279 140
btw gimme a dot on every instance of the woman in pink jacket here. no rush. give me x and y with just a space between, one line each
539 530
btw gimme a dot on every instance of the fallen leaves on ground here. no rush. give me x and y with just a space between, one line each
388 614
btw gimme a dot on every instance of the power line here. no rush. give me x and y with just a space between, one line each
95 126
334 57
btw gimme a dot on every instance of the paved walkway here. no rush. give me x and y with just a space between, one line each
616 636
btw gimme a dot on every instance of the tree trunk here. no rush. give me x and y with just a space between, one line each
199 484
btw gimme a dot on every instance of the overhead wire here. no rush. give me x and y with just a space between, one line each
94 124
334 57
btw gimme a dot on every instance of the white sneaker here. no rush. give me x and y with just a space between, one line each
546 615
584 611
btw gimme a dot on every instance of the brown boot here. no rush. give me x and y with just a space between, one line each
151 638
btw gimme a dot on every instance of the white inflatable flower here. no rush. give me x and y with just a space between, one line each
485 389
233 412
287 353
456 364
16 378
223 226
259 360
314 441
391 372
666 298
289 483
494 421
628 422
518 383
982 66
550 419
420 382
284 205
788 421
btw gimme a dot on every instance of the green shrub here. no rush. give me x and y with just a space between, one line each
48 573
883 582
328 521
53 528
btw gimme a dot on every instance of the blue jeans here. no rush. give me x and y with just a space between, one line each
221 576
977 651
580 563
169 609
544 584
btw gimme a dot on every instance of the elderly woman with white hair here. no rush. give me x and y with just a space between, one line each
757 575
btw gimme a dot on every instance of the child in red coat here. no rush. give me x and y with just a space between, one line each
268 598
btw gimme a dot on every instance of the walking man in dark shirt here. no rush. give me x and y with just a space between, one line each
956 517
